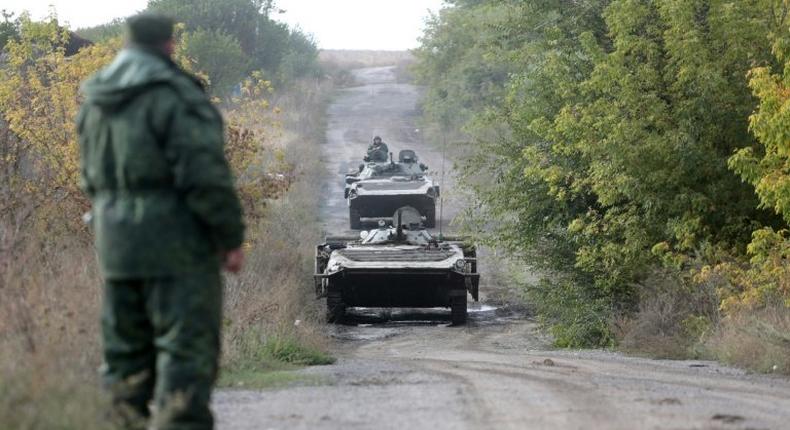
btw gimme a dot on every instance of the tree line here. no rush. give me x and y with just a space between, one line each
226 40
615 145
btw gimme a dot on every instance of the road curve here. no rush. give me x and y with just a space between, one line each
409 370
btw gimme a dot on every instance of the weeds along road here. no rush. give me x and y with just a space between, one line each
408 370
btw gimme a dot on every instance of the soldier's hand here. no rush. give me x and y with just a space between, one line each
234 260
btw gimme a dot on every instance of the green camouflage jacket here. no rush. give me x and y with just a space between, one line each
378 153
153 165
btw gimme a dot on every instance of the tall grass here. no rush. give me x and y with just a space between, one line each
49 341
674 320
758 340
678 319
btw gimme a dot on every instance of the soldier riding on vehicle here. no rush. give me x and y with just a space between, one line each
378 151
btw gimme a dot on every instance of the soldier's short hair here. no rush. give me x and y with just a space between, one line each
149 29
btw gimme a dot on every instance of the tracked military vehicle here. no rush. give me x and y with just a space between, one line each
377 190
396 266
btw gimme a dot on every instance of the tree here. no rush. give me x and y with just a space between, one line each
301 58
268 45
765 166
217 55
39 101
9 28
103 32
238 18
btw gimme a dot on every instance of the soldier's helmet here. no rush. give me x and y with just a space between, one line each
149 29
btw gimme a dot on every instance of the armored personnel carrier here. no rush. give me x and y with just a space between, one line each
378 189
396 266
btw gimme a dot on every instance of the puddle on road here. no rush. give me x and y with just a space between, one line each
358 333
480 307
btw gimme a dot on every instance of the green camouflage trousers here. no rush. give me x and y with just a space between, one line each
161 342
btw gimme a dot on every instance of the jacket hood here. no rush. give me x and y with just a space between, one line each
132 71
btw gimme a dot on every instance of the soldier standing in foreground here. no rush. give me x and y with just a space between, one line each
166 220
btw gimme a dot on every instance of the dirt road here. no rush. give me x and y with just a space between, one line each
409 370
379 108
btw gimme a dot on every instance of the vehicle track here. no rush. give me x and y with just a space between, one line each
410 370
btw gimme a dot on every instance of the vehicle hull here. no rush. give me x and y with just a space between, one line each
383 206
394 288
396 268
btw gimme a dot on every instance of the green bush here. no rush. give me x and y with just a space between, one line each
575 317
217 55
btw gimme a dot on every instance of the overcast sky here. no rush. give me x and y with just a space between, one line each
336 24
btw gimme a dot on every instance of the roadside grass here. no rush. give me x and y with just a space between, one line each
758 340
674 319
46 395
681 320
274 364
272 318
291 351
266 379
49 340
573 316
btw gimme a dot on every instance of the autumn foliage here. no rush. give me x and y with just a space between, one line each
39 99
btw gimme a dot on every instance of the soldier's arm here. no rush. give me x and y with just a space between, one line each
85 183
201 172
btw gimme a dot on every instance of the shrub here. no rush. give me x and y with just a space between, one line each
675 316
575 316
758 339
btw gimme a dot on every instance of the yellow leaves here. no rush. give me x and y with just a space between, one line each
765 279
771 125
766 276
260 166
39 101
660 248
576 226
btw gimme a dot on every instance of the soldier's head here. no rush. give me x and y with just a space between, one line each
377 141
151 30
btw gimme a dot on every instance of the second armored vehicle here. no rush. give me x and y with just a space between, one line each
377 190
